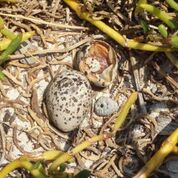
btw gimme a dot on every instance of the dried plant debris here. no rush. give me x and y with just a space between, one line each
62 39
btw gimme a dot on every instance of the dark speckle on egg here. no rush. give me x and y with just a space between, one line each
68 99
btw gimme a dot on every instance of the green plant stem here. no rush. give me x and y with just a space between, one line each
78 8
173 4
174 41
22 162
5 42
123 112
8 34
166 148
162 15
67 156
138 9
163 31
36 173
48 155
2 76
5 31
15 43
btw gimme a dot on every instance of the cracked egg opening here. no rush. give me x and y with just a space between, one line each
98 61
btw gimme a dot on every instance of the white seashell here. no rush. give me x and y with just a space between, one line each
105 106
68 99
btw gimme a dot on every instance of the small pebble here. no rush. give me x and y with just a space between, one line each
105 106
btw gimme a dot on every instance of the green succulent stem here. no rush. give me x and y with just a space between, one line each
174 41
163 30
5 42
117 36
138 9
166 148
24 162
5 31
173 4
8 34
15 43
2 76
162 15
67 156
47 155
123 112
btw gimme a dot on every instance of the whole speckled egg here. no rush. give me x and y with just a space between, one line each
68 99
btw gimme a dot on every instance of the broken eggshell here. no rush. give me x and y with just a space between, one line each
98 61
68 99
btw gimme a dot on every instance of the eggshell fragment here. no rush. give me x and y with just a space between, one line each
99 62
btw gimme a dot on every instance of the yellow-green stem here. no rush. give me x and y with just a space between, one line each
67 156
5 42
15 43
8 34
138 9
166 148
124 111
18 163
61 157
162 15
173 4
48 155
2 76
77 7
22 162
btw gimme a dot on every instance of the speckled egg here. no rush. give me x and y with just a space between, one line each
105 106
68 99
